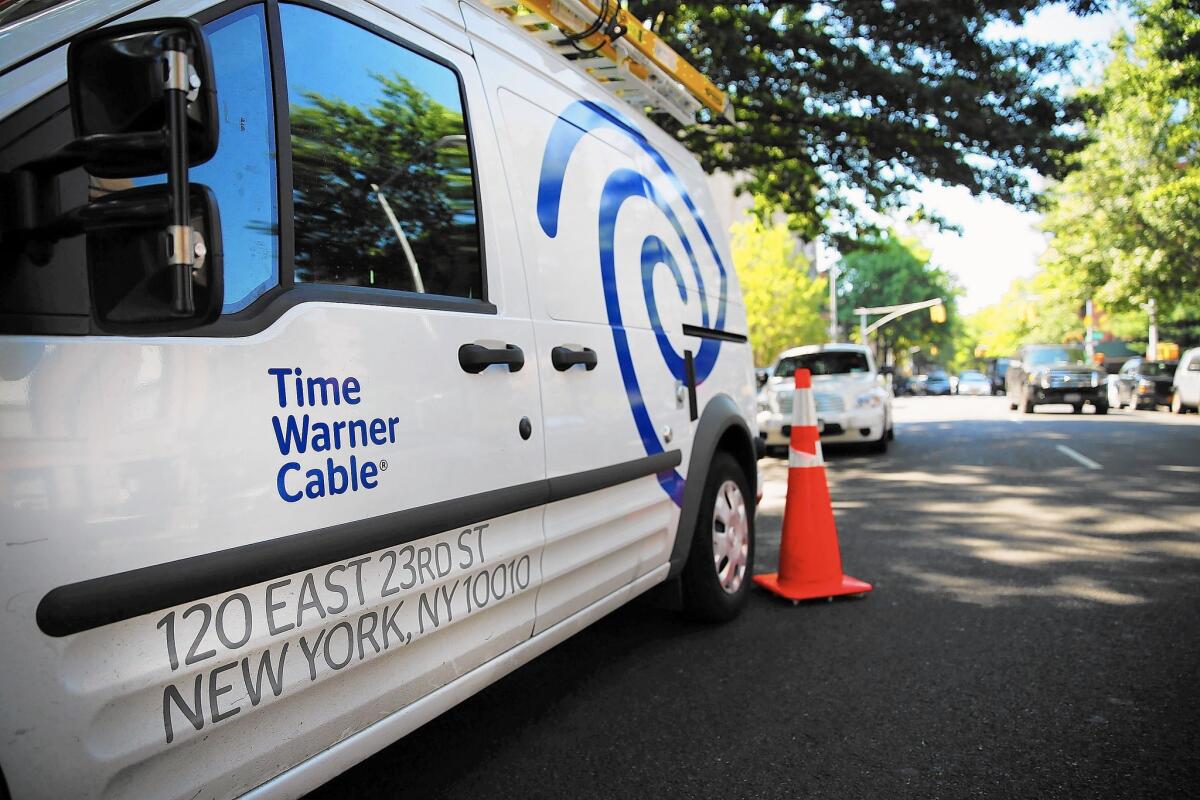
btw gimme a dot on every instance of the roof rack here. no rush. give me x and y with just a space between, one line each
615 48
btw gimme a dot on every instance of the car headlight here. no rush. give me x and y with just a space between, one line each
868 400
1044 381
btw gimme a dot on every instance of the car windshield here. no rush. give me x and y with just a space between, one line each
1045 356
1155 369
830 362
971 376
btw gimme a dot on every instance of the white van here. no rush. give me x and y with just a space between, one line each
433 356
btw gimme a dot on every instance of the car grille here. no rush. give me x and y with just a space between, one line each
826 403
1067 381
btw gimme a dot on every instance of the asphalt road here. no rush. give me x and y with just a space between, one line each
1033 632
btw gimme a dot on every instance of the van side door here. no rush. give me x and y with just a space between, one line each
241 546
611 245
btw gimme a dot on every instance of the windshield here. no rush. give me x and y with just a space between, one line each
1156 369
833 362
1045 356
972 376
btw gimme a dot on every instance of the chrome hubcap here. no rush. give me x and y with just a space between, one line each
730 537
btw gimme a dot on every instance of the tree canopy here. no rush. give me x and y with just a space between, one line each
852 104
1126 222
783 305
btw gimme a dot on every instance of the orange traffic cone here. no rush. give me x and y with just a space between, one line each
810 562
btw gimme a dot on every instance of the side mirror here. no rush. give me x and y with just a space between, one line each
135 90
887 369
130 248
143 102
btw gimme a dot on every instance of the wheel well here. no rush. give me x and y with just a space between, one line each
734 442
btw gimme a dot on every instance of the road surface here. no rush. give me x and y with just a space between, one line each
1034 632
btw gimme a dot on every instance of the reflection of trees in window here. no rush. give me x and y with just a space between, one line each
414 150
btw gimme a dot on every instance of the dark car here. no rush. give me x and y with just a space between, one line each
937 383
1043 374
997 367
1142 383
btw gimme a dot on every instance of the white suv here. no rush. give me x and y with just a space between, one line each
853 403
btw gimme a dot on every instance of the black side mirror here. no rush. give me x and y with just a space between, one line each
122 82
129 247
143 102
887 369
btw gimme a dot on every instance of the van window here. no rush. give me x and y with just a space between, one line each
383 185
242 172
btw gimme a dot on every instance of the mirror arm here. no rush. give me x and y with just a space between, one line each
180 78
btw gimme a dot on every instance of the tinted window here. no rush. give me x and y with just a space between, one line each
382 183
242 173
1044 356
829 363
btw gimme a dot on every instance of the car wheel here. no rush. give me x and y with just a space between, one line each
1077 408
716 578
880 445
1177 403
892 432
1101 408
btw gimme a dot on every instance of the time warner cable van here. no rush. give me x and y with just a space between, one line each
351 356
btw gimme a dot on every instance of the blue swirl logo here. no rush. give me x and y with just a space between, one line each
579 119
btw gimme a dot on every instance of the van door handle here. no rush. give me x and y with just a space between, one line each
563 358
475 358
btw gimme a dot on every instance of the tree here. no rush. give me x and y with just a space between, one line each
857 102
783 305
1126 223
414 150
889 271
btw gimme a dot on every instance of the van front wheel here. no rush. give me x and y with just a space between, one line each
716 578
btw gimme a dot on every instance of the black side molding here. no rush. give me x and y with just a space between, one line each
100 601
713 333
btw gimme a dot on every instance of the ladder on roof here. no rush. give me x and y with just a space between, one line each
637 66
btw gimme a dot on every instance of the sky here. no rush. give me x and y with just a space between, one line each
1000 242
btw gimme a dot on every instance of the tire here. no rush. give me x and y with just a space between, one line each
1077 408
705 596
892 432
1101 409
880 445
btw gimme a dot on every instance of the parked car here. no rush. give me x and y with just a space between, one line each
1185 388
853 402
291 479
1143 383
973 383
937 382
1043 374
997 368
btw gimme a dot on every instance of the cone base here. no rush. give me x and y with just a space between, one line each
812 590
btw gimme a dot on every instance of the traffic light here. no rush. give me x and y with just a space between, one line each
938 313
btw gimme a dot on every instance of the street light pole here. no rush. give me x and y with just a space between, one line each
1152 343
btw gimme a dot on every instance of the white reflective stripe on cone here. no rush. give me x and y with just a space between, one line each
799 458
804 408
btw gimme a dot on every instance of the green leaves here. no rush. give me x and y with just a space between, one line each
864 99
783 305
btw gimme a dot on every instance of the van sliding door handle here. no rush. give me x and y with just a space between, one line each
475 358
563 358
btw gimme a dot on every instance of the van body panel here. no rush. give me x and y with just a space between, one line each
313 609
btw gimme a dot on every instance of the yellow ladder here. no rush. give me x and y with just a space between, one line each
638 67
